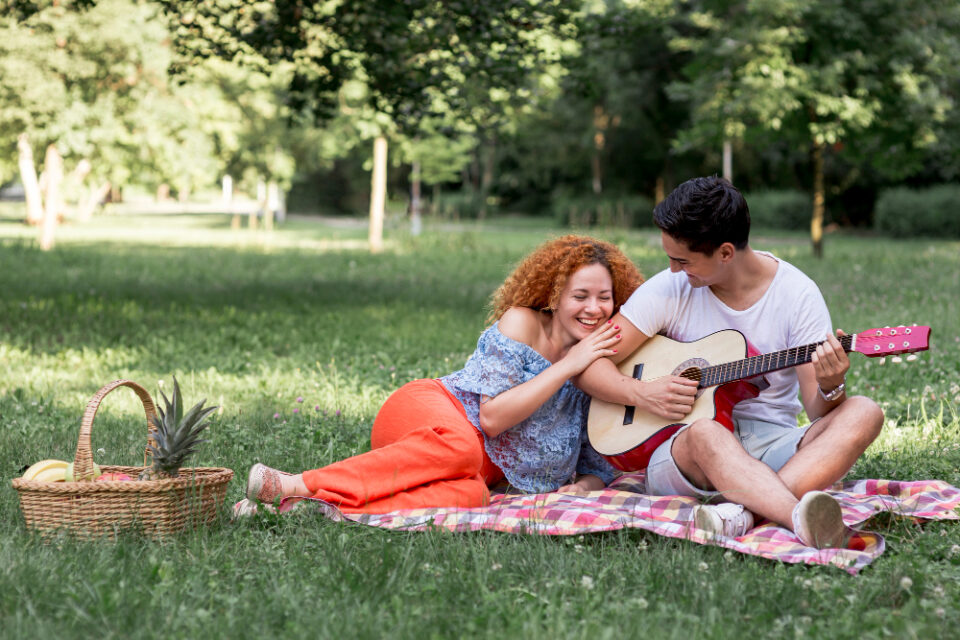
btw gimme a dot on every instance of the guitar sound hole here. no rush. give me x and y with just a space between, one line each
691 369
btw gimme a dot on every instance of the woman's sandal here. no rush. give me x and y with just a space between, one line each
263 483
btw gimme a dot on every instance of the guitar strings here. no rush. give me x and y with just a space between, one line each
756 365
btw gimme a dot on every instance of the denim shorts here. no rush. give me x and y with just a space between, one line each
771 444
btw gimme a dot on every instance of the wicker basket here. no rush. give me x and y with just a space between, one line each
95 509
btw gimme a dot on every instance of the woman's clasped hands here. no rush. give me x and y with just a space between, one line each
598 344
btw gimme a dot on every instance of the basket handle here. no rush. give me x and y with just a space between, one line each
83 460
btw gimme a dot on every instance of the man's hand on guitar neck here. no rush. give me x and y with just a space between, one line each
825 372
830 363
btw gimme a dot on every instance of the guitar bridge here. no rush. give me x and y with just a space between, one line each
629 411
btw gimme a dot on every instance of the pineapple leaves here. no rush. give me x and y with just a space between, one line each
177 402
175 435
197 415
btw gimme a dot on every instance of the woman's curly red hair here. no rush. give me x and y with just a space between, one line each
537 281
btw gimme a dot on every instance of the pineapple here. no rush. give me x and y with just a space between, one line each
176 436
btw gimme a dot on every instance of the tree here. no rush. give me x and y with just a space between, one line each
620 91
400 49
832 78
418 59
434 158
91 87
94 80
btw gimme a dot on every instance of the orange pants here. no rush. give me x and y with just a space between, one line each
425 453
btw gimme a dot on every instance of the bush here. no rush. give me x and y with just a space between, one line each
604 210
460 205
781 209
933 212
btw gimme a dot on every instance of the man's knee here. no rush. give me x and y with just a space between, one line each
702 448
705 438
861 413
867 416
858 418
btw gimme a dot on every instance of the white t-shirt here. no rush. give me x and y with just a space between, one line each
791 313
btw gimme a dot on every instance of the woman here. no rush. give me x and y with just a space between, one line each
510 413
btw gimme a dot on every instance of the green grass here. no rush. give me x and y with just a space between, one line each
253 321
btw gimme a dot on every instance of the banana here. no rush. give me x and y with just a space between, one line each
52 474
44 465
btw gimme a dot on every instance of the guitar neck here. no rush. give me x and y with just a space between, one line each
758 365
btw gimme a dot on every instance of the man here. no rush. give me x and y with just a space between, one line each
767 466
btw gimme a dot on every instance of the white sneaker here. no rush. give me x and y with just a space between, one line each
818 521
725 519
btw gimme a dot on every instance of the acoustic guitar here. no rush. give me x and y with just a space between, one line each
727 370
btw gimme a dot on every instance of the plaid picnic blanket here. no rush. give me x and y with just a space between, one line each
623 504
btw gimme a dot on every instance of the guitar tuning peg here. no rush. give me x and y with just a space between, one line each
912 357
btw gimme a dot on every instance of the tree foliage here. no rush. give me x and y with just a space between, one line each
866 84
95 83
519 100
417 57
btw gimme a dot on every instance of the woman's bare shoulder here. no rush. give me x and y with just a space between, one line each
521 324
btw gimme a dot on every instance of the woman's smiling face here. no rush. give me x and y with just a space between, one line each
586 301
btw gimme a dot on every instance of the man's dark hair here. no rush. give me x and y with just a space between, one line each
703 213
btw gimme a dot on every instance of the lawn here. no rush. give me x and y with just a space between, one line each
299 335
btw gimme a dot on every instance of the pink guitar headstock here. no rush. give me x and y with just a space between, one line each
891 341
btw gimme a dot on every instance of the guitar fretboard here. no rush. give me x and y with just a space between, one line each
757 365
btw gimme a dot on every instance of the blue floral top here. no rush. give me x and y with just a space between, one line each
541 453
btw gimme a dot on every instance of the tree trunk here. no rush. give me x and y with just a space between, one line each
416 204
474 172
261 204
28 176
378 193
816 223
95 197
281 208
601 121
728 161
659 190
53 167
486 177
77 182
595 170
273 204
226 190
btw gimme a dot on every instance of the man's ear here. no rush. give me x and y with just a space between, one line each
726 252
